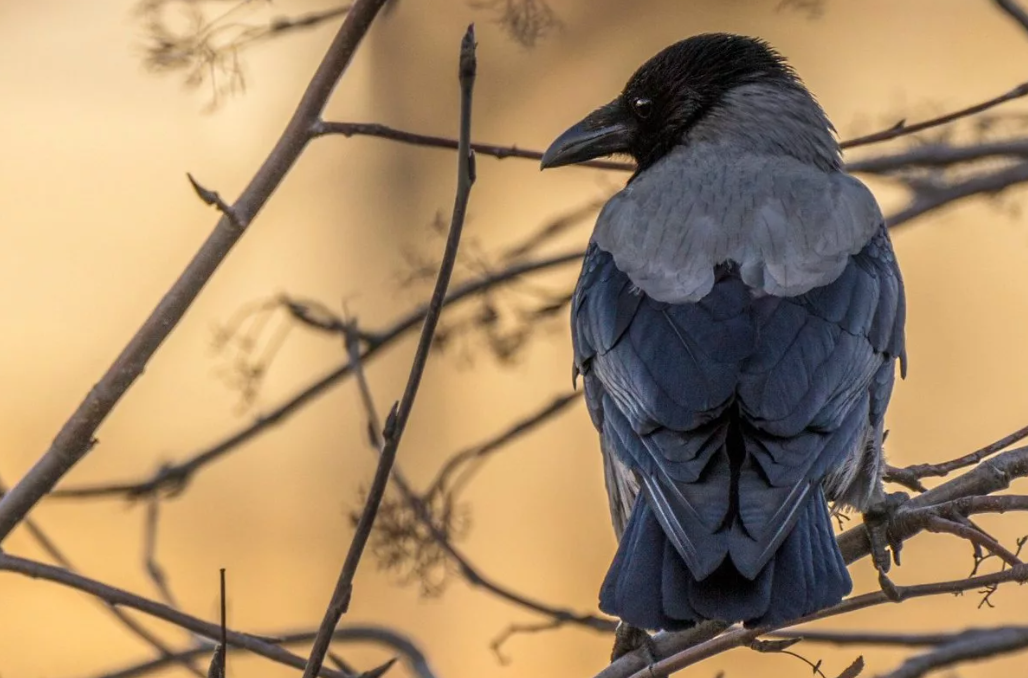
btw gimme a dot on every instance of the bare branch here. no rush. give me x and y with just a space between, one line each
940 525
845 638
964 647
173 477
444 478
738 637
58 556
916 472
115 596
901 128
1016 12
150 562
76 436
372 129
413 657
939 155
986 183
990 476
397 421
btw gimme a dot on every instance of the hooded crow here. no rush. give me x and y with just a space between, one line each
736 325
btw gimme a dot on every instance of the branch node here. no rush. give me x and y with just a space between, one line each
210 197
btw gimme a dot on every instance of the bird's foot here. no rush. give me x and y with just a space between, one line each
884 549
628 638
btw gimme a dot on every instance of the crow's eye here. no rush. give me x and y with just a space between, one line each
642 107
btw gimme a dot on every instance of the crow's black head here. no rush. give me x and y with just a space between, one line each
667 96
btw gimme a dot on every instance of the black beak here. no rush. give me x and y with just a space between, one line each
607 130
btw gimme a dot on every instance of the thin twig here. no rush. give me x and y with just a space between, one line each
939 155
519 428
58 556
173 477
371 129
940 525
901 128
389 638
75 438
120 597
918 471
397 421
884 639
985 183
150 562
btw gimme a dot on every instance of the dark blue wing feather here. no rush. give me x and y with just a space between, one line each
733 409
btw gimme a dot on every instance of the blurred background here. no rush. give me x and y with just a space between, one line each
97 219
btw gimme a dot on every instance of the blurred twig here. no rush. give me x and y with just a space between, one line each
75 438
901 128
172 478
1015 11
58 556
389 638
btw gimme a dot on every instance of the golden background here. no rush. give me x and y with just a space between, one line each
97 219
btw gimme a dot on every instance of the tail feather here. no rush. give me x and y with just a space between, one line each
649 586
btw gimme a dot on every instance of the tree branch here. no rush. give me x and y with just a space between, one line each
372 129
900 129
929 201
913 474
628 666
75 438
965 492
413 657
175 476
58 556
1016 12
397 421
964 647
115 596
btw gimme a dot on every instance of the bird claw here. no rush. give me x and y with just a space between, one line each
628 639
884 549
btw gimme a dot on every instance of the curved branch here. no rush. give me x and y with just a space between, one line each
412 655
174 476
120 597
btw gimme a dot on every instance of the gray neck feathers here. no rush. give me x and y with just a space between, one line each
771 118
